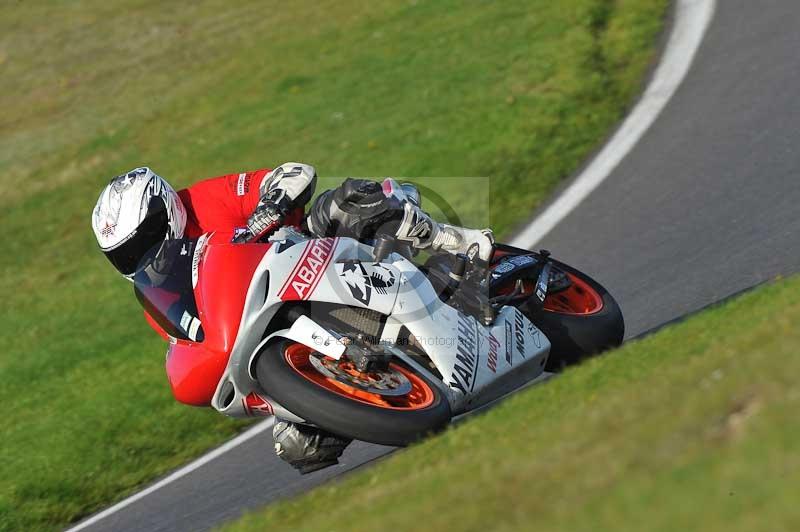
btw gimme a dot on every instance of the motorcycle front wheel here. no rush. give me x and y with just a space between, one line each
396 406
580 321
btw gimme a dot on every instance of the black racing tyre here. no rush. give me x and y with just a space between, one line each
285 373
580 322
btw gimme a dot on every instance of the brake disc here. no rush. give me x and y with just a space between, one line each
389 382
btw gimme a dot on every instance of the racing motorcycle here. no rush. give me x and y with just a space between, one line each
359 339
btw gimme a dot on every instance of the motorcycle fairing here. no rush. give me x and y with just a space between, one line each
471 358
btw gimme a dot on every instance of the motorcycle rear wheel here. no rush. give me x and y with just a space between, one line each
296 376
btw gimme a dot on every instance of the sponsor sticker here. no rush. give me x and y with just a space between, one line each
463 376
519 333
243 184
522 260
308 271
255 405
509 334
362 283
503 267
491 359
541 289
190 324
186 319
194 326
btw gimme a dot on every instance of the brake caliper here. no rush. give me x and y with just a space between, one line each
366 357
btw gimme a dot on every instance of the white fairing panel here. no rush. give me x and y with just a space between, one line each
332 270
307 332
469 356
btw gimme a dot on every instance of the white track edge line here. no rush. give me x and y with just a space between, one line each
692 19
182 472
691 22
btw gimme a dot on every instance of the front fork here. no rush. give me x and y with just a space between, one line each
545 269
544 277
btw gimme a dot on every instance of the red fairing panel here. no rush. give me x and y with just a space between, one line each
225 272
194 372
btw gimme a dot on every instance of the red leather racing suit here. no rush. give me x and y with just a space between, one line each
224 203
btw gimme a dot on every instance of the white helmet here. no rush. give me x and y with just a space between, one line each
134 212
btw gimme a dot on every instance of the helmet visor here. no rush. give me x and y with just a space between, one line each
151 231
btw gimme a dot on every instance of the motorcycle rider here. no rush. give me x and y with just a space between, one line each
139 209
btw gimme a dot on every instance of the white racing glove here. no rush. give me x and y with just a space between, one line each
269 214
288 185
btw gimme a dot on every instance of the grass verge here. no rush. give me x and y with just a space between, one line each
693 428
519 91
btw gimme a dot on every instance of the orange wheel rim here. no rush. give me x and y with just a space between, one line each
579 298
421 395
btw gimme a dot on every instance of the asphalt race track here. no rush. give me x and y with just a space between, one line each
705 206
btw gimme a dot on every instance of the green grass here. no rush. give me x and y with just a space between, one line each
517 93
694 428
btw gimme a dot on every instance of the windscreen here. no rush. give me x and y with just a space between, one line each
163 285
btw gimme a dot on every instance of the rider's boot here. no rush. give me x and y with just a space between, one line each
422 232
307 448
